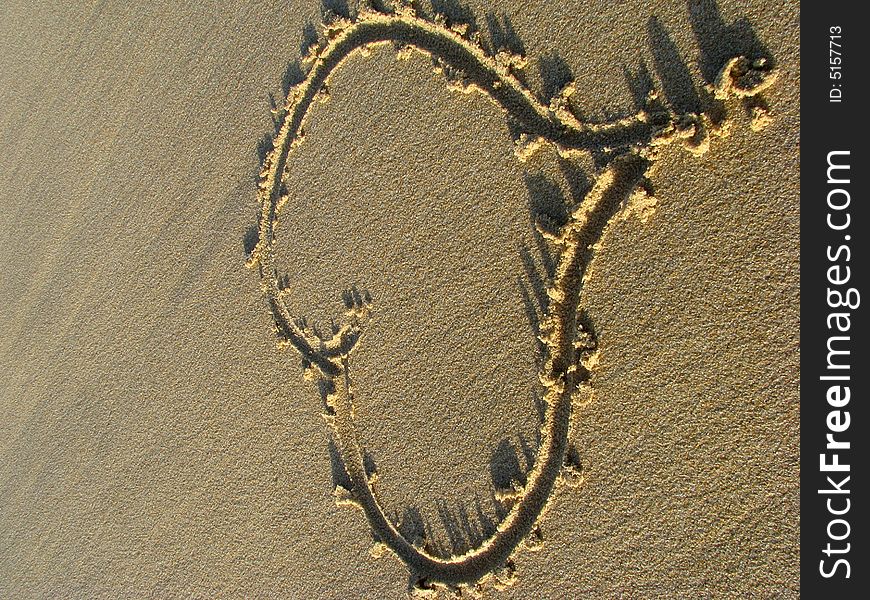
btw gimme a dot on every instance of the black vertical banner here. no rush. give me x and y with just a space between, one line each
835 225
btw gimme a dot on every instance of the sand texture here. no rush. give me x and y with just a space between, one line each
370 300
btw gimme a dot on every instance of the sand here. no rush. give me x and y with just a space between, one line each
163 436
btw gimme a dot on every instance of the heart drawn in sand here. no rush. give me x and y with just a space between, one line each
630 147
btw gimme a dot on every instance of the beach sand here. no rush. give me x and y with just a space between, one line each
156 442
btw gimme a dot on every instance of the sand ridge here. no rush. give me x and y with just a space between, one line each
630 145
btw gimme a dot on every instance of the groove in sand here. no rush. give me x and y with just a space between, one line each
633 142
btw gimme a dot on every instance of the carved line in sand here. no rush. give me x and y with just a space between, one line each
632 146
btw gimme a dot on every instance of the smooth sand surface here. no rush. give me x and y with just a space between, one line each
154 442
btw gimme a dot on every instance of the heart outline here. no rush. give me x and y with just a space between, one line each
631 144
